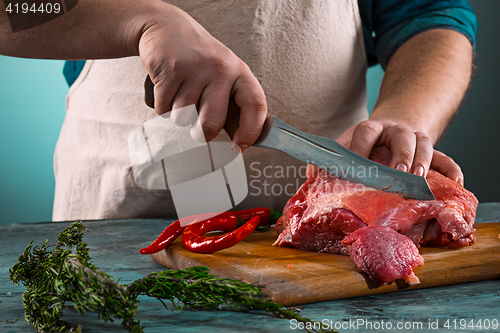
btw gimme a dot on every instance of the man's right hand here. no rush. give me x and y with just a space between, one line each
189 66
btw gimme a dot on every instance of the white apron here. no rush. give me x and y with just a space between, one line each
309 58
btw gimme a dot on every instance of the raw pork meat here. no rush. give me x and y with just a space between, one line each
326 209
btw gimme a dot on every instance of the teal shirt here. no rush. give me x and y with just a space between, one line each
387 24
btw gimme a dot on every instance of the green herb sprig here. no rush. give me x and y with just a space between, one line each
53 278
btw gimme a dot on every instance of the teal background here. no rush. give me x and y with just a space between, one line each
32 103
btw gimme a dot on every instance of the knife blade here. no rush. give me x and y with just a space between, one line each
325 153
339 161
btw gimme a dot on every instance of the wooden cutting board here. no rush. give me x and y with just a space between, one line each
316 277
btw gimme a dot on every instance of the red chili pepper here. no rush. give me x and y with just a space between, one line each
173 231
165 239
193 239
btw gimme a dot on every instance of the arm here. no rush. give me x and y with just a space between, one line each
186 64
92 30
424 84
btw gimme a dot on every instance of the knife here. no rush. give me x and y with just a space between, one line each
325 153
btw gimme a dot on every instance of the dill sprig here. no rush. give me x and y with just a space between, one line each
54 278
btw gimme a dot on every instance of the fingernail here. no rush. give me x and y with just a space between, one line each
184 116
419 170
236 148
402 167
460 180
243 148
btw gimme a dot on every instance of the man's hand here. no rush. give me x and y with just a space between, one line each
370 134
411 151
189 66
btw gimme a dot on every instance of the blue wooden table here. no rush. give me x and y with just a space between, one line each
114 246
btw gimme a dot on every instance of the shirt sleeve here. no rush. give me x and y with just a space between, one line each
72 70
388 24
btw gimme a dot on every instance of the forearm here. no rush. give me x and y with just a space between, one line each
93 29
425 82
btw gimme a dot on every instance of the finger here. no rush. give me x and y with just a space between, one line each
188 94
446 166
249 96
423 155
402 142
164 92
213 108
345 138
311 171
365 136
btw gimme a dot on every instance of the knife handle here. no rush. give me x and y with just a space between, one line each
233 111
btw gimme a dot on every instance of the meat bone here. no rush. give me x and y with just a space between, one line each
325 153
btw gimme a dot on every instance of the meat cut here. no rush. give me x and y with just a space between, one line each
384 254
380 231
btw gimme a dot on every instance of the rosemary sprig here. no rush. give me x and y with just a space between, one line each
53 278
194 288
